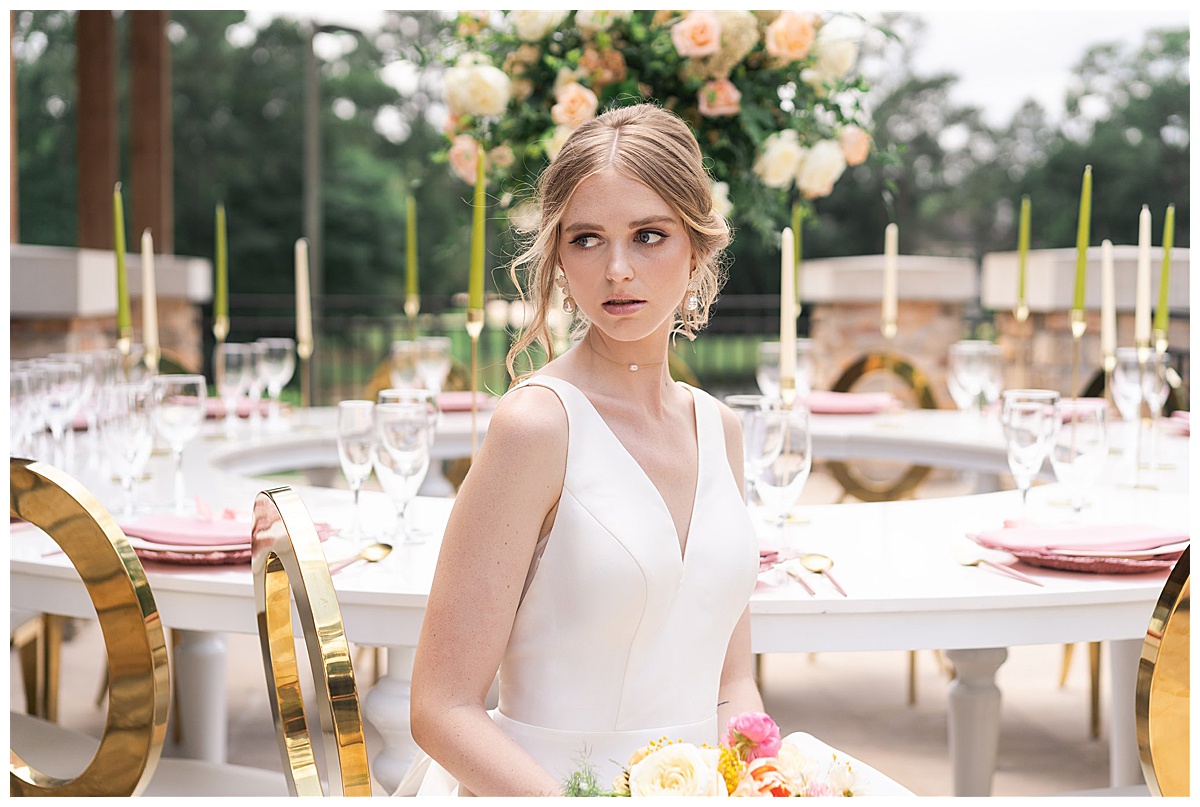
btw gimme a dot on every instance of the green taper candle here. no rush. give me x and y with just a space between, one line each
410 286
124 321
1081 240
221 298
479 204
1022 249
1160 314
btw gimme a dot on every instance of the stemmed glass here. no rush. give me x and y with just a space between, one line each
61 394
425 398
232 365
784 460
1133 383
260 375
967 372
756 451
404 436
767 373
126 434
1080 446
993 375
1029 423
180 404
23 416
356 448
280 365
433 361
402 370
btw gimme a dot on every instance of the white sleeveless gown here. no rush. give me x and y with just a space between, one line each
619 639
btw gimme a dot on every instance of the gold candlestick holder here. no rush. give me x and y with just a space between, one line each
220 328
412 307
474 328
1024 336
304 351
1143 348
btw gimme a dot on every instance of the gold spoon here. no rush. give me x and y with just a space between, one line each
976 561
821 564
371 553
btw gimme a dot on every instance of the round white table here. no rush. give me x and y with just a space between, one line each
896 560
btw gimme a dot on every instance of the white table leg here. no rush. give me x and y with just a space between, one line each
1124 763
200 697
974 718
387 706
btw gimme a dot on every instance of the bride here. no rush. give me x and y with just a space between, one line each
599 555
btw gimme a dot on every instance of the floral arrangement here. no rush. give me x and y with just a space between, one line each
751 760
771 96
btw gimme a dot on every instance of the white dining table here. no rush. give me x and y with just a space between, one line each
898 562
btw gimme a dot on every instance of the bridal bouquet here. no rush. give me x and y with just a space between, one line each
751 760
772 96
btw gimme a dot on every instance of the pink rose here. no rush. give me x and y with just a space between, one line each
462 155
718 98
790 36
856 144
754 734
697 34
818 790
573 105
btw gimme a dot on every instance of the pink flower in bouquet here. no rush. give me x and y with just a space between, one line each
818 789
697 34
462 156
763 778
719 98
574 104
754 734
856 145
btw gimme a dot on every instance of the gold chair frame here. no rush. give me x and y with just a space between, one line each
1163 696
139 690
286 558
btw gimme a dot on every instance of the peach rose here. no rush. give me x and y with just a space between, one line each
697 34
790 36
501 156
462 154
602 68
763 778
574 104
720 98
856 145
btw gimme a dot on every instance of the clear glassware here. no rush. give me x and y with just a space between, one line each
233 368
785 457
180 407
126 432
61 395
993 375
1080 447
35 428
749 409
1126 383
434 355
260 376
281 365
89 387
767 373
356 450
415 395
967 372
22 411
403 440
1029 423
131 366
404 359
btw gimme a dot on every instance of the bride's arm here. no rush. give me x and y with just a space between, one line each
514 482
739 691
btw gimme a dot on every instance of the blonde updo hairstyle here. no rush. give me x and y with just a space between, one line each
655 147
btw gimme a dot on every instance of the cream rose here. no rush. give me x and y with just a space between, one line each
573 104
697 34
534 25
554 142
790 36
720 98
834 56
779 158
591 22
462 154
722 206
856 145
680 769
796 766
821 167
477 89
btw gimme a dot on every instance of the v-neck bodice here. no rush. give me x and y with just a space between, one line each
618 631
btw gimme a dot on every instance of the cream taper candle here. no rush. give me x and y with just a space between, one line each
891 249
1108 305
304 334
1141 312
787 314
149 301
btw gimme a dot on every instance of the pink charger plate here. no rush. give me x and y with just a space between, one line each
1091 548
827 402
460 400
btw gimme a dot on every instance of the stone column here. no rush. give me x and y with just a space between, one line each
96 125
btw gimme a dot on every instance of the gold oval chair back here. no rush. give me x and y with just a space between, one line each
286 558
1163 682
139 690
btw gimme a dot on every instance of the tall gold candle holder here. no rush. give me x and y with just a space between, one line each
474 328
304 351
1024 338
1144 413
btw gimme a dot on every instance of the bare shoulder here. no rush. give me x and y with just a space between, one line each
731 423
529 412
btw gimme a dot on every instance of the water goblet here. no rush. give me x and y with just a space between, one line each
1028 419
22 410
180 406
966 373
403 362
260 373
403 439
280 365
131 366
356 448
785 459
749 409
767 373
126 432
992 383
426 398
1080 446
433 361
232 366
1127 384
60 398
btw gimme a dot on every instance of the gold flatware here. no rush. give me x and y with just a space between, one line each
976 561
371 553
799 578
821 564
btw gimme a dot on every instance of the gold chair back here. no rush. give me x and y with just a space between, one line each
287 559
139 688
1163 695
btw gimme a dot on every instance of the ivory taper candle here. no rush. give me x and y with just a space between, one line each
1108 305
304 334
149 301
891 249
787 314
1141 312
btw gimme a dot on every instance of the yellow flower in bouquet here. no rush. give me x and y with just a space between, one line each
769 95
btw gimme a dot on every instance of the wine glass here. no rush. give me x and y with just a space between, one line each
126 432
260 375
992 383
403 439
232 365
420 396
1080 446
967 372
1029 423
61 392
356 448
433 361
784 457
767 374
280 365
131 366
755 455
402 368
180 406
1126 383
22 410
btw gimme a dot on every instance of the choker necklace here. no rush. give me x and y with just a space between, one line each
633 368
